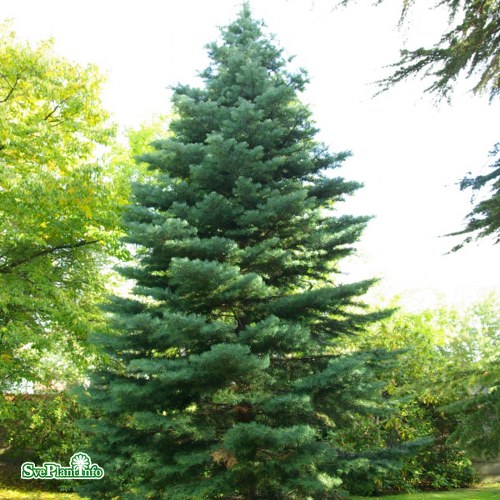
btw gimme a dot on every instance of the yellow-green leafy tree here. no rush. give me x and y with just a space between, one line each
59 211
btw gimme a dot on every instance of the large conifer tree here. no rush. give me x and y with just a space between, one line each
225 383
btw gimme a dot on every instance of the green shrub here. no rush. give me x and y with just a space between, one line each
40 427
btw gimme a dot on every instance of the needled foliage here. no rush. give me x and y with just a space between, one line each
471 46
224 381
484 219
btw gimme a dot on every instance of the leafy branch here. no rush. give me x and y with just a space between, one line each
6 268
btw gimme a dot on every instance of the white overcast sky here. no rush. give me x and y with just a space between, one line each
409 152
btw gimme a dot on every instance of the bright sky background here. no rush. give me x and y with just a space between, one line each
409 152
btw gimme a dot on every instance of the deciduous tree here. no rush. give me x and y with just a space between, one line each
449 377
58 210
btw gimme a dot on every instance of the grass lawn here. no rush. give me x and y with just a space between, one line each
24 491
12 487
35 495
481 492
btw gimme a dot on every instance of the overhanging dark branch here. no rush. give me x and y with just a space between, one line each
11 88
6 268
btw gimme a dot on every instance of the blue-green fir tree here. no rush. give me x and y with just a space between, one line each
224 379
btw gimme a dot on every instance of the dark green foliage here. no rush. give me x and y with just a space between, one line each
42 427
470 46
484 219
479 428
448 377
439 465
432 468
225 382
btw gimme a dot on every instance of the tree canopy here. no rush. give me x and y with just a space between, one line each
450 363
58 207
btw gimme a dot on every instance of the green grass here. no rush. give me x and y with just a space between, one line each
12 487
24 491
35 495
481 492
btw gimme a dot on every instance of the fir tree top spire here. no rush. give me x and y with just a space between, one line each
244 29
244 45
